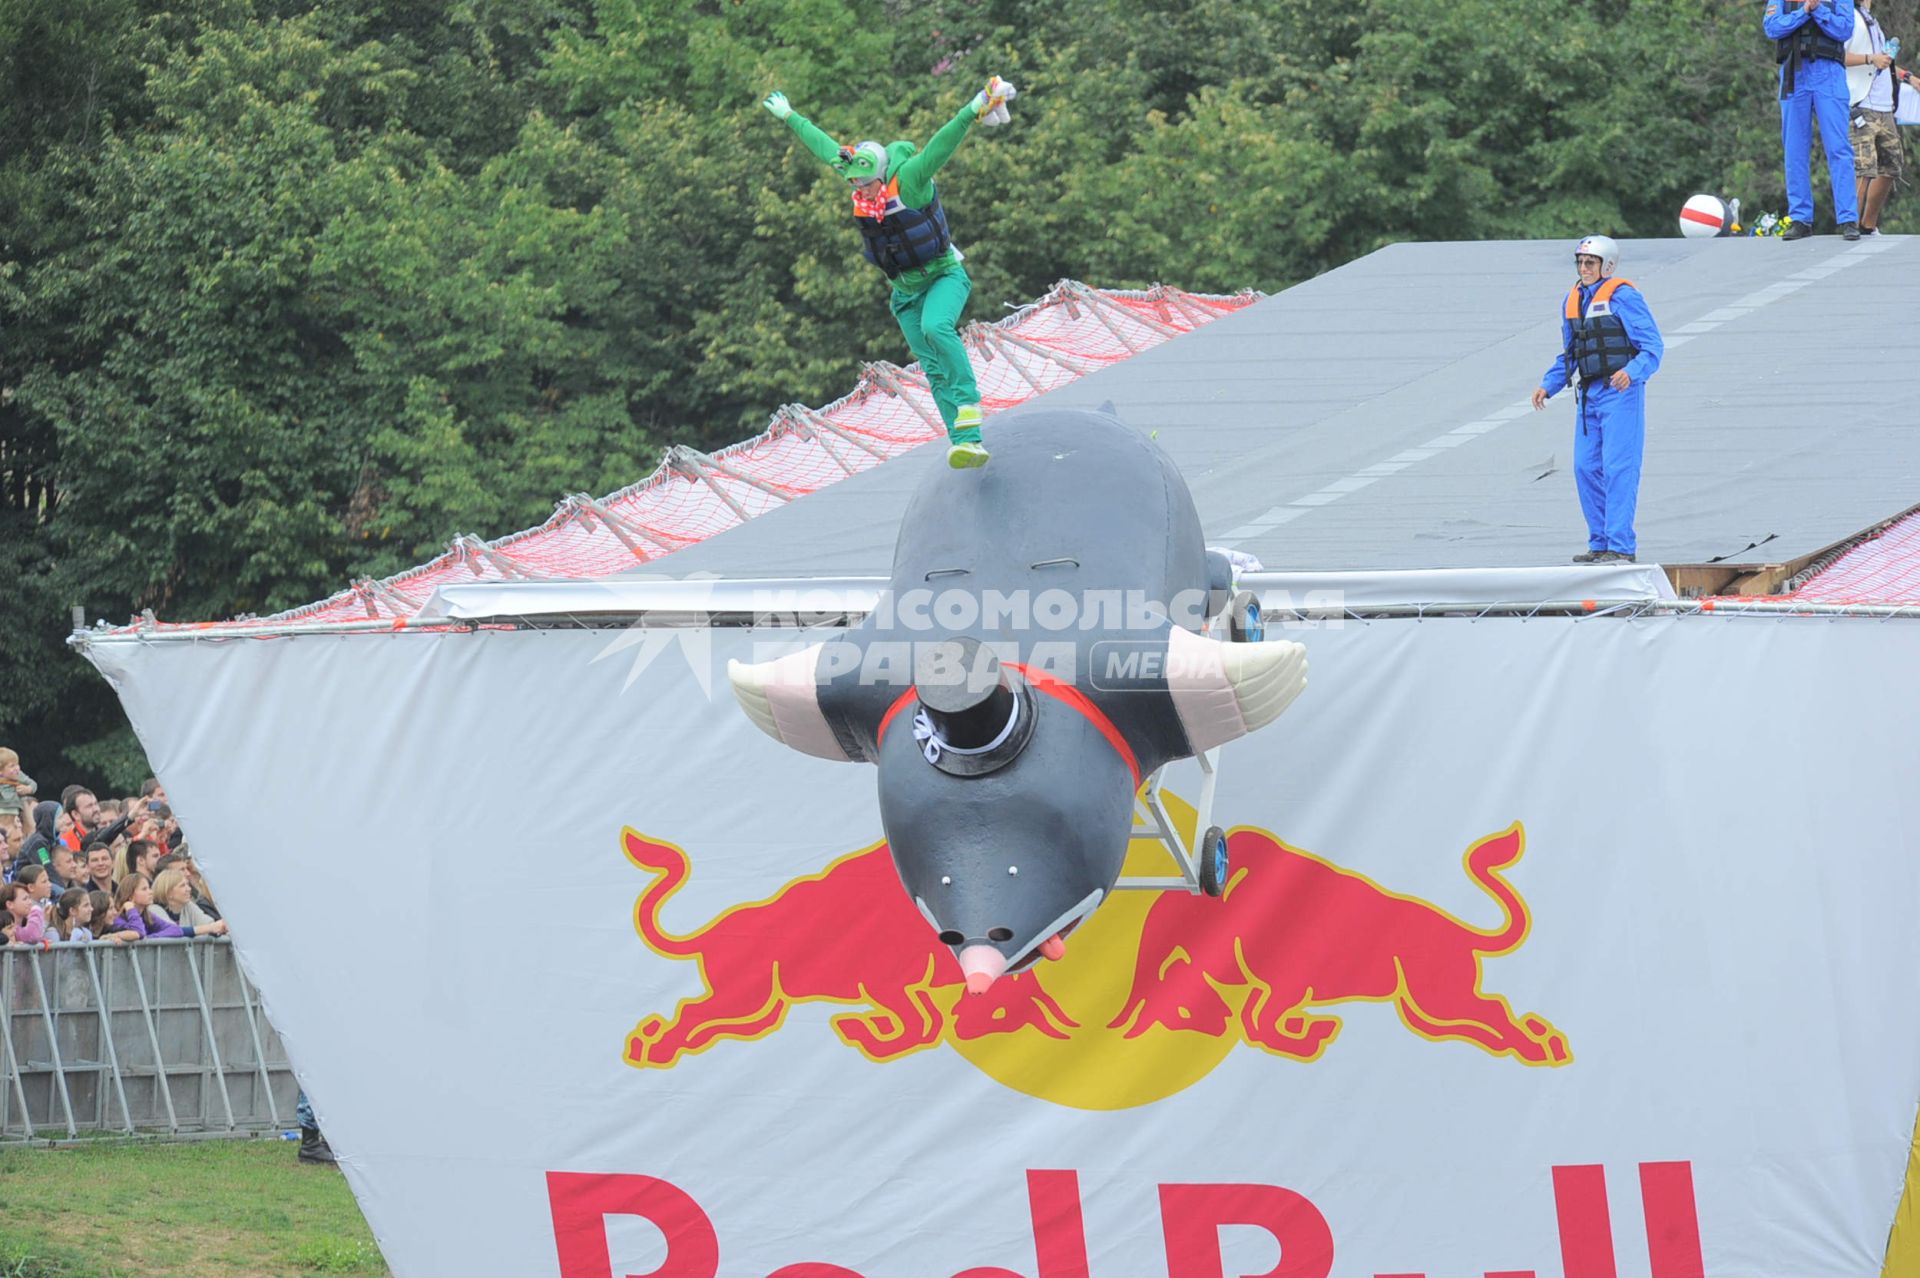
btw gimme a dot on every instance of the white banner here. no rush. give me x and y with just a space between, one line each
1554 946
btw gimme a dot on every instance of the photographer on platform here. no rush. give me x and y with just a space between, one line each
1874 88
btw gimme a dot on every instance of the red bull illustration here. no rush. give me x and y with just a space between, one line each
1284 933
846 935
1161 985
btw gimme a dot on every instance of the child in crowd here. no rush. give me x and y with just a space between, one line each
21 923
102 923
16 791
133 910
73 916
39 886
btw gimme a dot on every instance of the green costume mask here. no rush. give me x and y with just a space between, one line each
863 163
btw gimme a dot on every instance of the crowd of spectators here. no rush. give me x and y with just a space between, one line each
91 870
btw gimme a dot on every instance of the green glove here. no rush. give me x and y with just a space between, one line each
777 103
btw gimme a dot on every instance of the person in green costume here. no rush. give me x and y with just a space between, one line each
903 231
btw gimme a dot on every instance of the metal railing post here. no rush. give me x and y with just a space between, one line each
12 1058
253 1028
106 1037
153 1038
213 1040
53 1043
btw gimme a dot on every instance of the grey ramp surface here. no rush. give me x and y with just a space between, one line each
1374 417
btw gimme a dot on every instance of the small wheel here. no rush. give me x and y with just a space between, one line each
1244 623
1213 861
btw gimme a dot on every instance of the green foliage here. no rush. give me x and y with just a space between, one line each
115 759
293 293
22 1262
339 1256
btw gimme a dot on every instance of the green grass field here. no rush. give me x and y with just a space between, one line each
213 1209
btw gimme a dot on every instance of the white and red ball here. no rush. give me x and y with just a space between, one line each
1705 216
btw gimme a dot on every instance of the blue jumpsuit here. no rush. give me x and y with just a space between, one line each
1819 91
1613 423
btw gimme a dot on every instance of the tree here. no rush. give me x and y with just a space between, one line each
292 293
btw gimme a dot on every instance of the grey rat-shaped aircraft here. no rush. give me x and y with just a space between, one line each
1045 646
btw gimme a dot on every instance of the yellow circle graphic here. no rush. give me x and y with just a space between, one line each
1097 1066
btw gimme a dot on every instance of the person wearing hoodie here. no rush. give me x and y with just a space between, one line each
903 231
48 825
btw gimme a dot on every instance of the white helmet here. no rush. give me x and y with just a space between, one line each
1602 247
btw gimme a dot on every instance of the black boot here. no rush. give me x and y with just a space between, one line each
314 1147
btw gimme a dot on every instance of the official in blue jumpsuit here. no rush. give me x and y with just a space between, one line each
1809 39
1608 337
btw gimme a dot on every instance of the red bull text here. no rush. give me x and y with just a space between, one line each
1191 1218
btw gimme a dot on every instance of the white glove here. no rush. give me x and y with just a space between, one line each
776 102
990 104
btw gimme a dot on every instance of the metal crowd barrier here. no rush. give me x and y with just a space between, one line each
161 1037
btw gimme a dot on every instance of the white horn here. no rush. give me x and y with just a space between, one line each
1222 691
783 700
1266 677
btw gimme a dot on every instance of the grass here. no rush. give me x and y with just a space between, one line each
210 1209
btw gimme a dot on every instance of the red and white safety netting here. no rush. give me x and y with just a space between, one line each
692 495
1882 568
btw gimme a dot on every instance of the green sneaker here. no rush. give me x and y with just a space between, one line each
966 456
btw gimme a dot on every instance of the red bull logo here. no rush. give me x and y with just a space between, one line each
1163 986
846 935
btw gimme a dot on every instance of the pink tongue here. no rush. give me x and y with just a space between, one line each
1054 947
982 965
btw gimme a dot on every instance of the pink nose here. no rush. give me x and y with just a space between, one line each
982 965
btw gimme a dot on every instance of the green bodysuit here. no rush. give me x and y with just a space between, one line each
927 298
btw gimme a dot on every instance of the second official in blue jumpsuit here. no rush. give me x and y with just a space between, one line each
1809 40
1607 336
